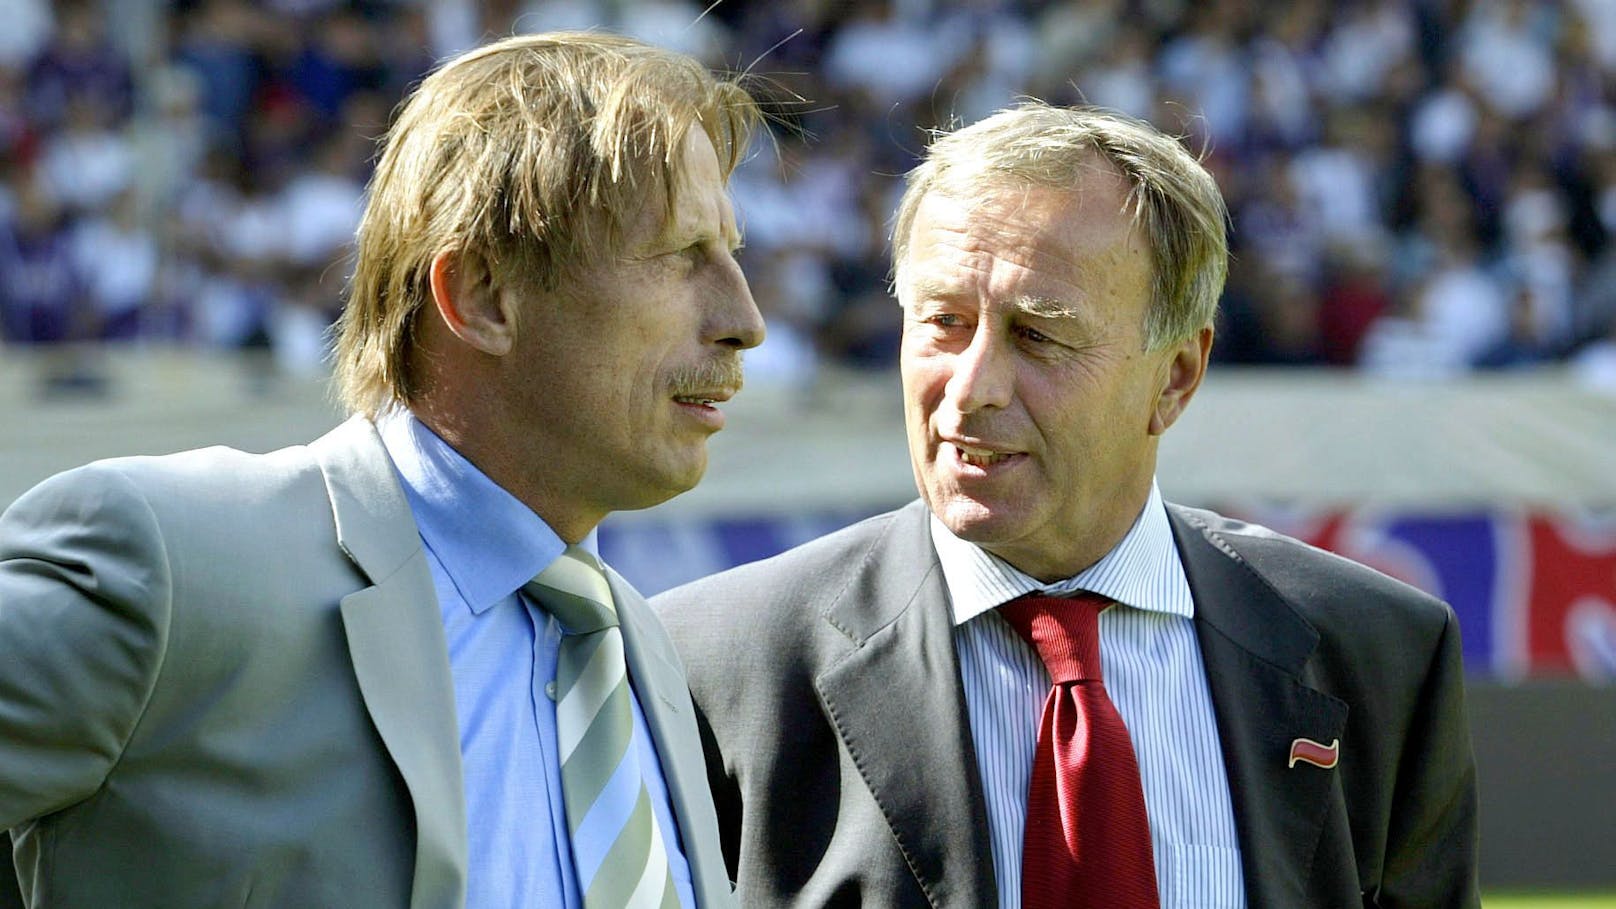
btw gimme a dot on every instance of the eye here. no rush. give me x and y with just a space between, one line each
1034 335
945 320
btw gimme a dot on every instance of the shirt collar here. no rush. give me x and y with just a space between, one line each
1143 570
488 542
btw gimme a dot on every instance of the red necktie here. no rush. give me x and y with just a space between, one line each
1087 839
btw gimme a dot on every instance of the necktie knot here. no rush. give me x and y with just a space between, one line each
574 590
1064 631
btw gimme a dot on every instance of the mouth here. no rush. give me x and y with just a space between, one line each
979 459
699 388
705 397
701 406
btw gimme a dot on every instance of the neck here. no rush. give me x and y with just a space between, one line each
483 444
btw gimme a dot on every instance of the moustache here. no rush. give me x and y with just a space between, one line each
710 377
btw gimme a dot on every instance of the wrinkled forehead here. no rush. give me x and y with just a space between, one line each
999 180
1031 224
1043 251
1090 180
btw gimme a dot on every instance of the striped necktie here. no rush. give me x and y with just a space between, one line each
617 847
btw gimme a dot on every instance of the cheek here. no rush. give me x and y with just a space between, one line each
924 377
1066 422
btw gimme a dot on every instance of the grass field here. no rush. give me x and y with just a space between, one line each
1549 901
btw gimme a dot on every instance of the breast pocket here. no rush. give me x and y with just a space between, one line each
1204 877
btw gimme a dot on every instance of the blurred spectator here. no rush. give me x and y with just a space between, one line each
1457 313
117 258
169 144
1444 119
1334 181
89 162
1506 52
678 25
1366 44
1206 67
28 28
225 302
889 57
42 293
1270 318
1594 366
216 41
17 136
1537 254
321 207
1354 297
1599 19
80 63
338 60
1071 37
1525 343
1285 62
1121 78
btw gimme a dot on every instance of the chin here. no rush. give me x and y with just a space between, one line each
975 521
650 483
683 478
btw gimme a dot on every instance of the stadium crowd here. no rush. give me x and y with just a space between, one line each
1417 187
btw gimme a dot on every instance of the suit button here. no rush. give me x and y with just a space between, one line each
549 689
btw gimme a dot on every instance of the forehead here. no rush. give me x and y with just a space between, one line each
701 203
1009 242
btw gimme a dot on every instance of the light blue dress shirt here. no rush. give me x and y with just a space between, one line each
482 545
1153 671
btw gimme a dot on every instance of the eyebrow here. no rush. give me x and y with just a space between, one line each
1031 304
1046 307
678 235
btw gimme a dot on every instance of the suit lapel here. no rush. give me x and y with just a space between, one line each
400 658
1255 646
664 695
897 702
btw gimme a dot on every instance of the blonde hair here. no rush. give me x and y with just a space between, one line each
533 152
1175 201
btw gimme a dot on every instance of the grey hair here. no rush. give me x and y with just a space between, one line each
1175 201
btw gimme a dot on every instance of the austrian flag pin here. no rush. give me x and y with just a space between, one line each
1312 752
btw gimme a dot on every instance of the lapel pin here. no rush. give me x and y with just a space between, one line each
1314 753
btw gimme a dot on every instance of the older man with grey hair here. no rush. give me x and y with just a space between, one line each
1041 685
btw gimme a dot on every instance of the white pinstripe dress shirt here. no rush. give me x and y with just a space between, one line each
1154 674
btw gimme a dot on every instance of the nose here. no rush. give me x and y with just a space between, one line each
736 321
983 373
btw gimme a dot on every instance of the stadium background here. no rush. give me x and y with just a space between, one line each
1416 363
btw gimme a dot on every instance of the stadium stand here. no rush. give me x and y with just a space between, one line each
1417 187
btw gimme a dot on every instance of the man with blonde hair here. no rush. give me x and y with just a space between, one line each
385 669
1040 685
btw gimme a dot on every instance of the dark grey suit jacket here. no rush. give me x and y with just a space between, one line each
834 722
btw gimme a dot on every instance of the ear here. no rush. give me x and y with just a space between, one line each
1184 372
470 303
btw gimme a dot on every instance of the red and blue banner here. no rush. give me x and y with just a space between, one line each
1535 590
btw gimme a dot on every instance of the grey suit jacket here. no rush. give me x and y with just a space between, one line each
844 772
224 682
